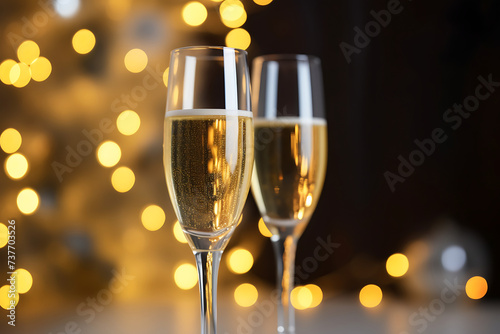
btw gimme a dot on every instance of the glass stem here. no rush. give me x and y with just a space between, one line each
285 246
207 263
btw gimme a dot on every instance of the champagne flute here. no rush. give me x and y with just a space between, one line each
208 155
290 157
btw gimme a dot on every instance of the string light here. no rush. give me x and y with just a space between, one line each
238 38
153 217
24 280
186 276
16 166
4 235
370 296
246 295
128 122
239 260
136 60
123 179
40 69
10 140
109 153
476 287
83 41
27 201
194 13
178 233
397 265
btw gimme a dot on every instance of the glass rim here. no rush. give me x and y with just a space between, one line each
206 47
288 56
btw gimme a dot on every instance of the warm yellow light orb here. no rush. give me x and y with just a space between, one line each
10 140
28 51
5 68
5 300
128 122
186 276
153 217
263 229
238 38
123 179
178 233
246 295
83 41
24 280
109 153
27 201
40 69
301 298
16 166
370 296
231 10
262 2
136 60
194 13
20 75
476 287
317 294
239 261
4 235
397 265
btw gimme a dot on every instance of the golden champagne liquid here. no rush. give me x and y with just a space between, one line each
290 167
208 159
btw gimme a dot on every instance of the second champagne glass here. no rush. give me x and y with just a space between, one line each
290 157
208 155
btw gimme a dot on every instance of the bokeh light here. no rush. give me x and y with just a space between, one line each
28 51
453 258
235 23
476 287
301 298
27 201
40 69
83 41
66 8
262 2
4 297
397 265
186 276
239 260
136 60
20 75
178 233
10 140
263 229
317 294
370 296
194 13
16 166
128 122
232 13
109 153
165 77
123 179
153 217
4 235
246 295
5 68
24 280
238 38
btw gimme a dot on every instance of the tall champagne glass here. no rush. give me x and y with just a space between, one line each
290 157
208 155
